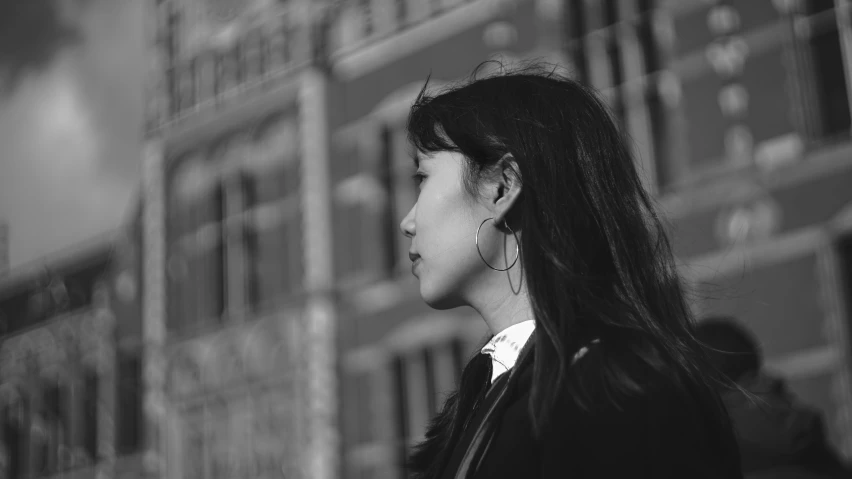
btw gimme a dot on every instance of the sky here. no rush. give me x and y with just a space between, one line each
71 106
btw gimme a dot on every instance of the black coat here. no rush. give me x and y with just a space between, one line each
778 437
661 435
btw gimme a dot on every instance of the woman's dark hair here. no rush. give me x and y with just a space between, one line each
732 349
596 260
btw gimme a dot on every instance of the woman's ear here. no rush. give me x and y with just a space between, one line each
507 187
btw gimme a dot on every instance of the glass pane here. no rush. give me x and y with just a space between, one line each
660 139
416 393
211 282
705 123
206 77
349 240
755 14
272 263
228 71
648 43
769 95
278 44
273 162
830 81
350 410
186 87
444 369
692 32
817 6
844 248
345 157
195 197
253 56
129 405
193 450
366 404
90 414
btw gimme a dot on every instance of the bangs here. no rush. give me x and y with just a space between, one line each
427 125
457 120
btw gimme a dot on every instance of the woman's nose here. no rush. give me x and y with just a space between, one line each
407 223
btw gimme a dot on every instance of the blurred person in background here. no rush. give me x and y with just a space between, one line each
530 211
779 438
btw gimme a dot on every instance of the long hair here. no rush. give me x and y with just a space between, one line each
595 256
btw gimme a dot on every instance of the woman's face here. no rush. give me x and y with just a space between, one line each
442 226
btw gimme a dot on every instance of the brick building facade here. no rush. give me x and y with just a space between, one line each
282 328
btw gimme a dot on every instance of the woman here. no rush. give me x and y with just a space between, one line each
531 212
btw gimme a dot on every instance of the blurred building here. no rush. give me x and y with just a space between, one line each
237 306
70 363
282 330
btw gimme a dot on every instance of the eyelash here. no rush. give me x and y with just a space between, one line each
418 178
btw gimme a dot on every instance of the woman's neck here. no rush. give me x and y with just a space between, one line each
504 310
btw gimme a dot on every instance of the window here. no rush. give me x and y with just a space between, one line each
614 57
614 47
706 123
765 94
270 214
423 379
822 69
56 423
184 77
359 204
253 56
576 24
205 68
389 220
273 254
196 265
277 46
168 38
401 9
367 16
845 256
129 406
194 460
228 70
14 310
15 438
90 414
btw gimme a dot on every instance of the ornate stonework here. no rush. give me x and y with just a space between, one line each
233 393
84 337
227 358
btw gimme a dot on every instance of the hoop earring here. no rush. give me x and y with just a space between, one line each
517 246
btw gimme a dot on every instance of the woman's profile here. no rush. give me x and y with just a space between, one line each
531 211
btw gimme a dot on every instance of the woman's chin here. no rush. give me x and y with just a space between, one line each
439 301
